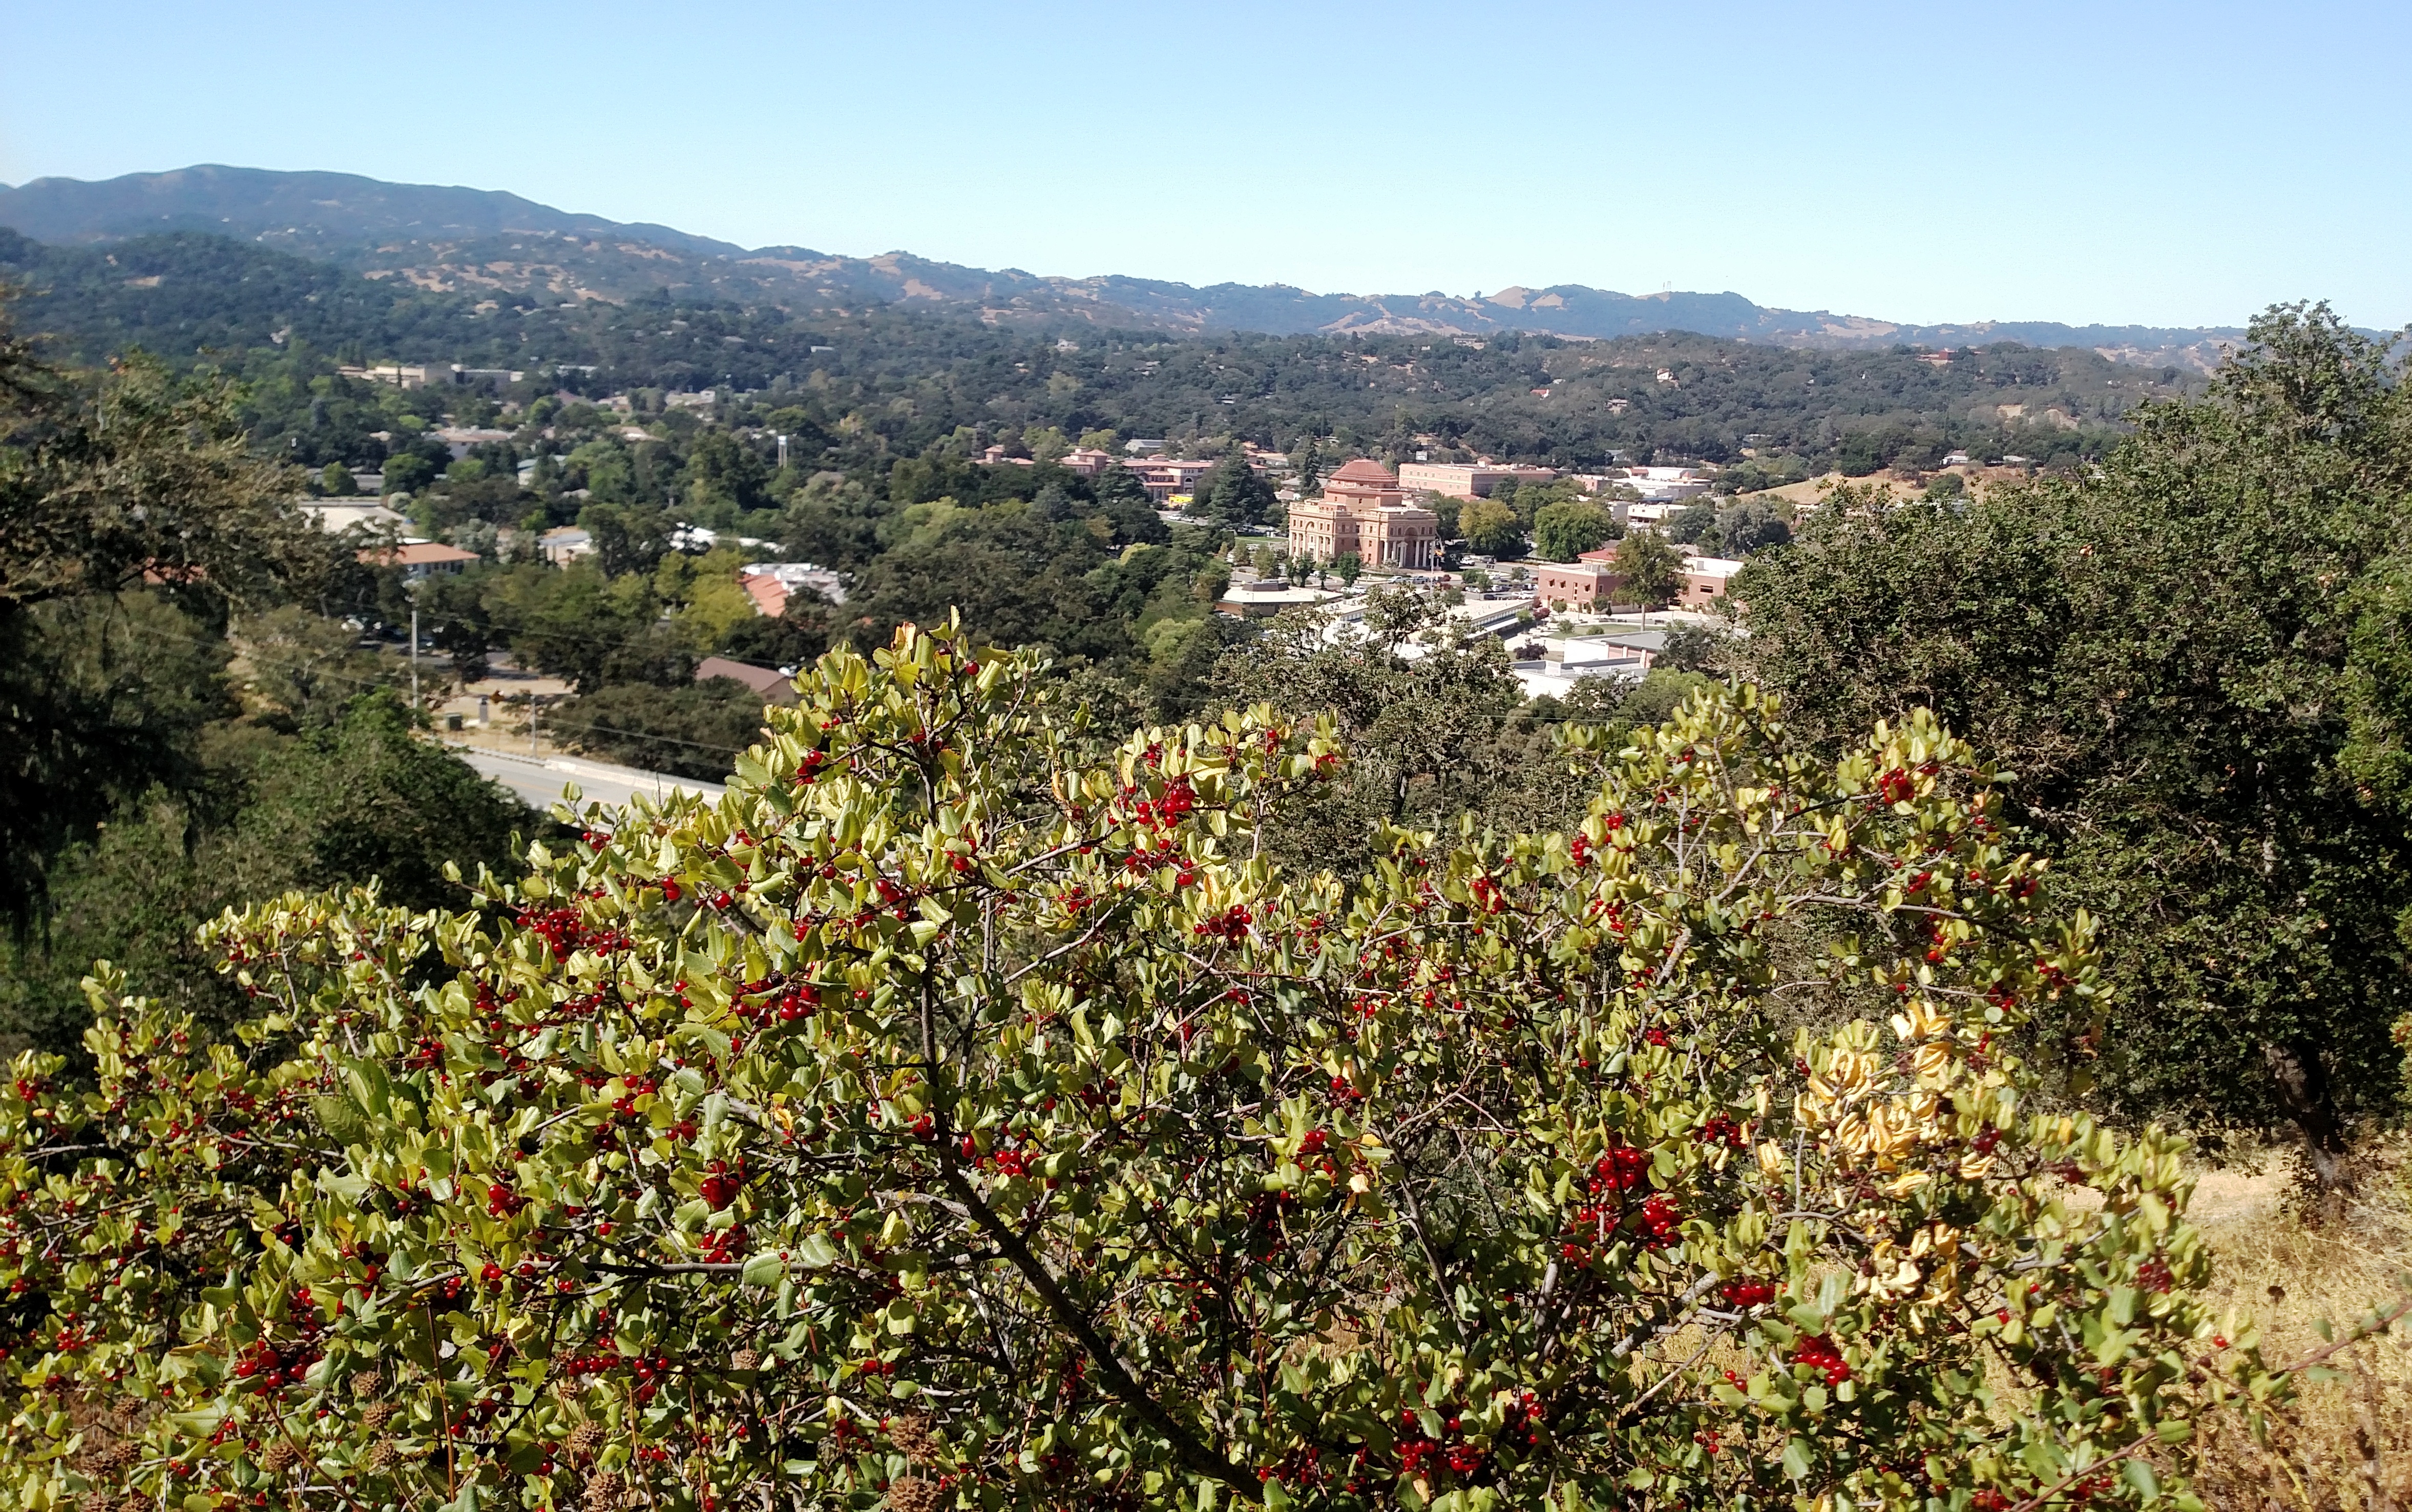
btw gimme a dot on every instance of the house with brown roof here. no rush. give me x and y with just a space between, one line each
419 559
769 682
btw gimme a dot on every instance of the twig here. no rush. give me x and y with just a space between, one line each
2064 1482
2377 1325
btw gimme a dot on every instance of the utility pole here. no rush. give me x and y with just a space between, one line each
414 658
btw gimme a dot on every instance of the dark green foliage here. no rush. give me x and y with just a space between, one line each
694 730
1695 520
1752 525
101 698
1234 494
2193 660
339 804
1692 647
1647 569
1566 529
1431 735
136 520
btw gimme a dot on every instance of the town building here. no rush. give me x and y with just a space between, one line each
434 376
336 515
419 559
1266 598
769 683
1666 485
1087 462
1590 582
1705 579
458 439
1364 513
770 584
1165 476
1467 480
1575 585
416 376
563 546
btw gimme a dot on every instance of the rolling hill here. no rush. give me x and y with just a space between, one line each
494 245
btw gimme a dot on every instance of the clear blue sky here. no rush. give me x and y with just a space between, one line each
2168 163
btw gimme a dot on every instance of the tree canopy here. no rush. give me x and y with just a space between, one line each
966 1109
2193 658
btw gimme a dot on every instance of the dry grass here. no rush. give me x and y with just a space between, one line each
2342 1443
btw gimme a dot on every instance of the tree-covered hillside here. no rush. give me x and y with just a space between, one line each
899 381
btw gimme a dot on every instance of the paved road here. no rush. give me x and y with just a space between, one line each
540 782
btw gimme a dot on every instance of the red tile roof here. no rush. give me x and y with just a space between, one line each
417 554
769 594
1364 470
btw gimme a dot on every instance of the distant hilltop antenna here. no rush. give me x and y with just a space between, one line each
1668 288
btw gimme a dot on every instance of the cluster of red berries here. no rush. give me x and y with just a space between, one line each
1722 1129
1819 1353
1747 1293
1230 925
721 1186
564 930
1418 1449
1896 787
1619 1170
1659 1217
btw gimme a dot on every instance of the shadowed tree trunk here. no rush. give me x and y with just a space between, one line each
2303 1092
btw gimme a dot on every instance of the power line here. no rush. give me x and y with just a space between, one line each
376 683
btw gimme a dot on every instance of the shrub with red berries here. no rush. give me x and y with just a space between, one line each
963 1109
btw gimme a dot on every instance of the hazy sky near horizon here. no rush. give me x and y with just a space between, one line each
2180 164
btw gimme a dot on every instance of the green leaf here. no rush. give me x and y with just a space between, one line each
815 1252
2139 1475
764 1269
1796 1459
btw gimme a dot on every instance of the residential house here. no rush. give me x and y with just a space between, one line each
457 439
419 560
770 584
769 683
336 515
565 544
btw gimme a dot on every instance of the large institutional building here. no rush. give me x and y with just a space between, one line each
1467 480
1364 512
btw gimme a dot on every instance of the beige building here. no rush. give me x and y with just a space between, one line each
1467 480
1364 513
1169 478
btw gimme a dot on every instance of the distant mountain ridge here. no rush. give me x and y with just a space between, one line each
501 246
